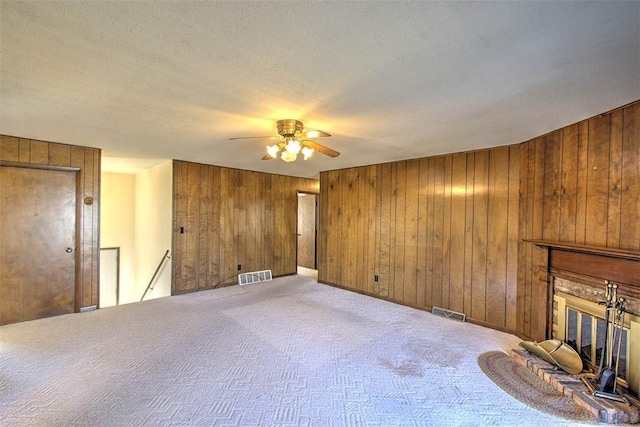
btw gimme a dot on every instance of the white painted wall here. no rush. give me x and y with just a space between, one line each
136 215
117 224
153 222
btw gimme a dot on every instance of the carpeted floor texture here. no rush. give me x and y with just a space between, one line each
290 352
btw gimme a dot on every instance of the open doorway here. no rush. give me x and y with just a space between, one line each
136 219
307 234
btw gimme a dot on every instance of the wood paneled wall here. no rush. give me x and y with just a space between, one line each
579 185
87 160
448 231
227 217
439 231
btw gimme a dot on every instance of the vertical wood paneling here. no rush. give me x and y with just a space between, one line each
359 224
39 153
431 182
59 155
457 242
9 149
421 276
597 180
192 225
480 233
268 218
468 235
232 217
254 232
630 183
392 231
24 151
497 209
341 224
431 231
399 219
569 183
204 224
240 221
538 305
87 160
551 191
351 231
280 226
581 194
411 232
614 206
328 223
448 230
371 227
438 232
227 221
322 223
598 200
384 256
523 248
512 270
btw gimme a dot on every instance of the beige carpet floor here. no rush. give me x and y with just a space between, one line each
290 352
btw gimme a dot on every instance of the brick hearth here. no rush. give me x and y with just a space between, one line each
604 410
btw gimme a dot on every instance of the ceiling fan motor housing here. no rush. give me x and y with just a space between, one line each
289 127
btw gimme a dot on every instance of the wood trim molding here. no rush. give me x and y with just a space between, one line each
618 266
36 166
595 250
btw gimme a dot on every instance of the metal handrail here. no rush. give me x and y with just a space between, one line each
166 256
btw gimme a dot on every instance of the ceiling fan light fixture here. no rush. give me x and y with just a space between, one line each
293 146
293 141
288 156
307 152
273 150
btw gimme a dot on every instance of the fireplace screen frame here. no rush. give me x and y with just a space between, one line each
563 302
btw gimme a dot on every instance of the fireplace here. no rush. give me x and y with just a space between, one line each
579 320
576 275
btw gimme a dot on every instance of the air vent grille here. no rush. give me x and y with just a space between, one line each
443 312
254 277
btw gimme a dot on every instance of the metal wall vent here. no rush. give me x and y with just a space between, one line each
254 277
443 312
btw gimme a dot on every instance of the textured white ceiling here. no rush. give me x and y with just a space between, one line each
389 80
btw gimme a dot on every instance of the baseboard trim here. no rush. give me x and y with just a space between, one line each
427 309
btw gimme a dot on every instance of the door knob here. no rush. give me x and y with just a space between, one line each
69 250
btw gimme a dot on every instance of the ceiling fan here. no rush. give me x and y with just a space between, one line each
293 141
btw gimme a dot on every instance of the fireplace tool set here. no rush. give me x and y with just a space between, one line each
607 376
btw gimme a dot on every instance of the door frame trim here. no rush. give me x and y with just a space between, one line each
315 239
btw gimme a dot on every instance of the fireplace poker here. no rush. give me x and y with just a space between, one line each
608 383
611 291
621 333
608 377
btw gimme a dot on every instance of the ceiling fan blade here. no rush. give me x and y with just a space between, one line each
313 134
321 148
255 137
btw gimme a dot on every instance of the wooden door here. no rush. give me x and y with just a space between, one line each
37 243
307 230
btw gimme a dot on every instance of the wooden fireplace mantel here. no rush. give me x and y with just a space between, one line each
616 265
